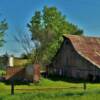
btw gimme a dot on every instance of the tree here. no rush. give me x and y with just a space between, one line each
25 41
3 28
26 44
47 28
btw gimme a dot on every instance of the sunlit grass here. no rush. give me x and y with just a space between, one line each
51 90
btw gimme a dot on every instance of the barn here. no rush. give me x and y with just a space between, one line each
78 57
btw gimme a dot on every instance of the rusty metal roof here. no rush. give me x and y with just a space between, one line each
87 47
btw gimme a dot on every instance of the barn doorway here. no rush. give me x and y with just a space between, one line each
90 77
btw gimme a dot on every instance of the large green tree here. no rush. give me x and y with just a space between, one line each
47 27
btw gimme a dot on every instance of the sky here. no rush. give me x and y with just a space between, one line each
84 13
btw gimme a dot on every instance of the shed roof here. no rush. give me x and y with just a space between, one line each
87 47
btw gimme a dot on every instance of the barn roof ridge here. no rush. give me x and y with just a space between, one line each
86 46
68 35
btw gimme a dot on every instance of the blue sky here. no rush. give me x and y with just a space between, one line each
84 13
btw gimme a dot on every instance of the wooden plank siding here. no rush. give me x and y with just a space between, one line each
68 62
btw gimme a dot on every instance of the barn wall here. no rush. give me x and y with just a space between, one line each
69 63
29 72
17 73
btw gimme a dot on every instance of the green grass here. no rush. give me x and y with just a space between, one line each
58 95
51 90
2 72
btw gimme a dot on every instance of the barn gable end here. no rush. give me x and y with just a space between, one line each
78 57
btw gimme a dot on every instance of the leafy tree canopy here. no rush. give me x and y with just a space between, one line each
47 27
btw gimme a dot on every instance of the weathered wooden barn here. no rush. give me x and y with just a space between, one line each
78 57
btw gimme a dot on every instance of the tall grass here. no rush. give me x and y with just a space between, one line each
58 95
44 91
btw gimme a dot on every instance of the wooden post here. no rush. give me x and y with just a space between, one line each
46 74
84 84
12 87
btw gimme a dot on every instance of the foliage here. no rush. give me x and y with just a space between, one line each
4 61
2 72
3 28
47 28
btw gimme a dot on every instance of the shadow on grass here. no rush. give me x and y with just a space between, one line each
82 93
73 94
70 79
16 82
61 94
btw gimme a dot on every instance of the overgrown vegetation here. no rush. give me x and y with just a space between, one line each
47 28
51 90
2 72
58 95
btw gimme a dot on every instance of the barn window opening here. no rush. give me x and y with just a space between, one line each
97 78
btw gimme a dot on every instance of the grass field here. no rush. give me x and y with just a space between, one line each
51 90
